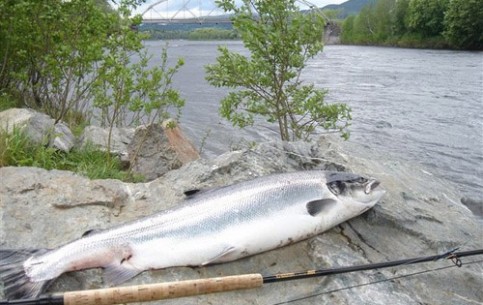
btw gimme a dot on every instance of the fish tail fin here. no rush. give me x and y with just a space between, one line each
16 283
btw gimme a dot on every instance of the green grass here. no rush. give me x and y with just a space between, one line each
16 149
7 101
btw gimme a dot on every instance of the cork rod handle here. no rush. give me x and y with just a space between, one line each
152 292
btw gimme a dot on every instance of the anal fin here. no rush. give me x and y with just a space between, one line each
118 273
220 257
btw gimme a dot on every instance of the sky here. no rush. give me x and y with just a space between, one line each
171 8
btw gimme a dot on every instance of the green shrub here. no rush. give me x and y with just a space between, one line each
16 149
7 101
267 84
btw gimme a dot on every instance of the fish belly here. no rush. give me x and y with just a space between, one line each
231 243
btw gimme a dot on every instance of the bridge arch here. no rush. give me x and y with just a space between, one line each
196 13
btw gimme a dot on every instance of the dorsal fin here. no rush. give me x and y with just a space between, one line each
193 192
90 232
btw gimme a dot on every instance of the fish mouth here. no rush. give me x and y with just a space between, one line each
371 185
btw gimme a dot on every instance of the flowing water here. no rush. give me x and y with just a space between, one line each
421 106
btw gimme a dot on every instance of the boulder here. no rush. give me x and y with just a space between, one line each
420 215
184 148
150 151
474 204
41 128
99 138
157 149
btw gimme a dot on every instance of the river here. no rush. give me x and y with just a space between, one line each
419 106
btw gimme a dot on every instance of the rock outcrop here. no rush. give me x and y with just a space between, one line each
420 215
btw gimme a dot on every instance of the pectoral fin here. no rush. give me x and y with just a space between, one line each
220 257
316 207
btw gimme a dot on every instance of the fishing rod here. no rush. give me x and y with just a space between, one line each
161 291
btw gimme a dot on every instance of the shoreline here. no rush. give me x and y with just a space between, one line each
422 47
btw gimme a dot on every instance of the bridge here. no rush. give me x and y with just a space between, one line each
192 11
183 11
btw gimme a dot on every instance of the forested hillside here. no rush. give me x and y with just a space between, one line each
417 23
347 8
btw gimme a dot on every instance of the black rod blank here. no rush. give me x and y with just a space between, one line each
324 272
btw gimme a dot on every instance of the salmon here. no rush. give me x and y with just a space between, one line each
213 226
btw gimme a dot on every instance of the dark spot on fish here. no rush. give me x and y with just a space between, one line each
126 258
273 264
289 240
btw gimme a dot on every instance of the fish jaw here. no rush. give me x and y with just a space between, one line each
354 195
348 207
355 205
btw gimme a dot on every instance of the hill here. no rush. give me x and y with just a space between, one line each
350 7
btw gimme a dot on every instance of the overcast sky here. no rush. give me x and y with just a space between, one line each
206 7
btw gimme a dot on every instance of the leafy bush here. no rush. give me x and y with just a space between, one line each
58 56
281 40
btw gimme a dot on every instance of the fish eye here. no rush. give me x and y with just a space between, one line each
361 180
337 187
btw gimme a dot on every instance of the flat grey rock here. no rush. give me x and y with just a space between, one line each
419 216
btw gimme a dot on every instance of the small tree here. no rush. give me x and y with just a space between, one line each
48 50
128 92
399 17
281 40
